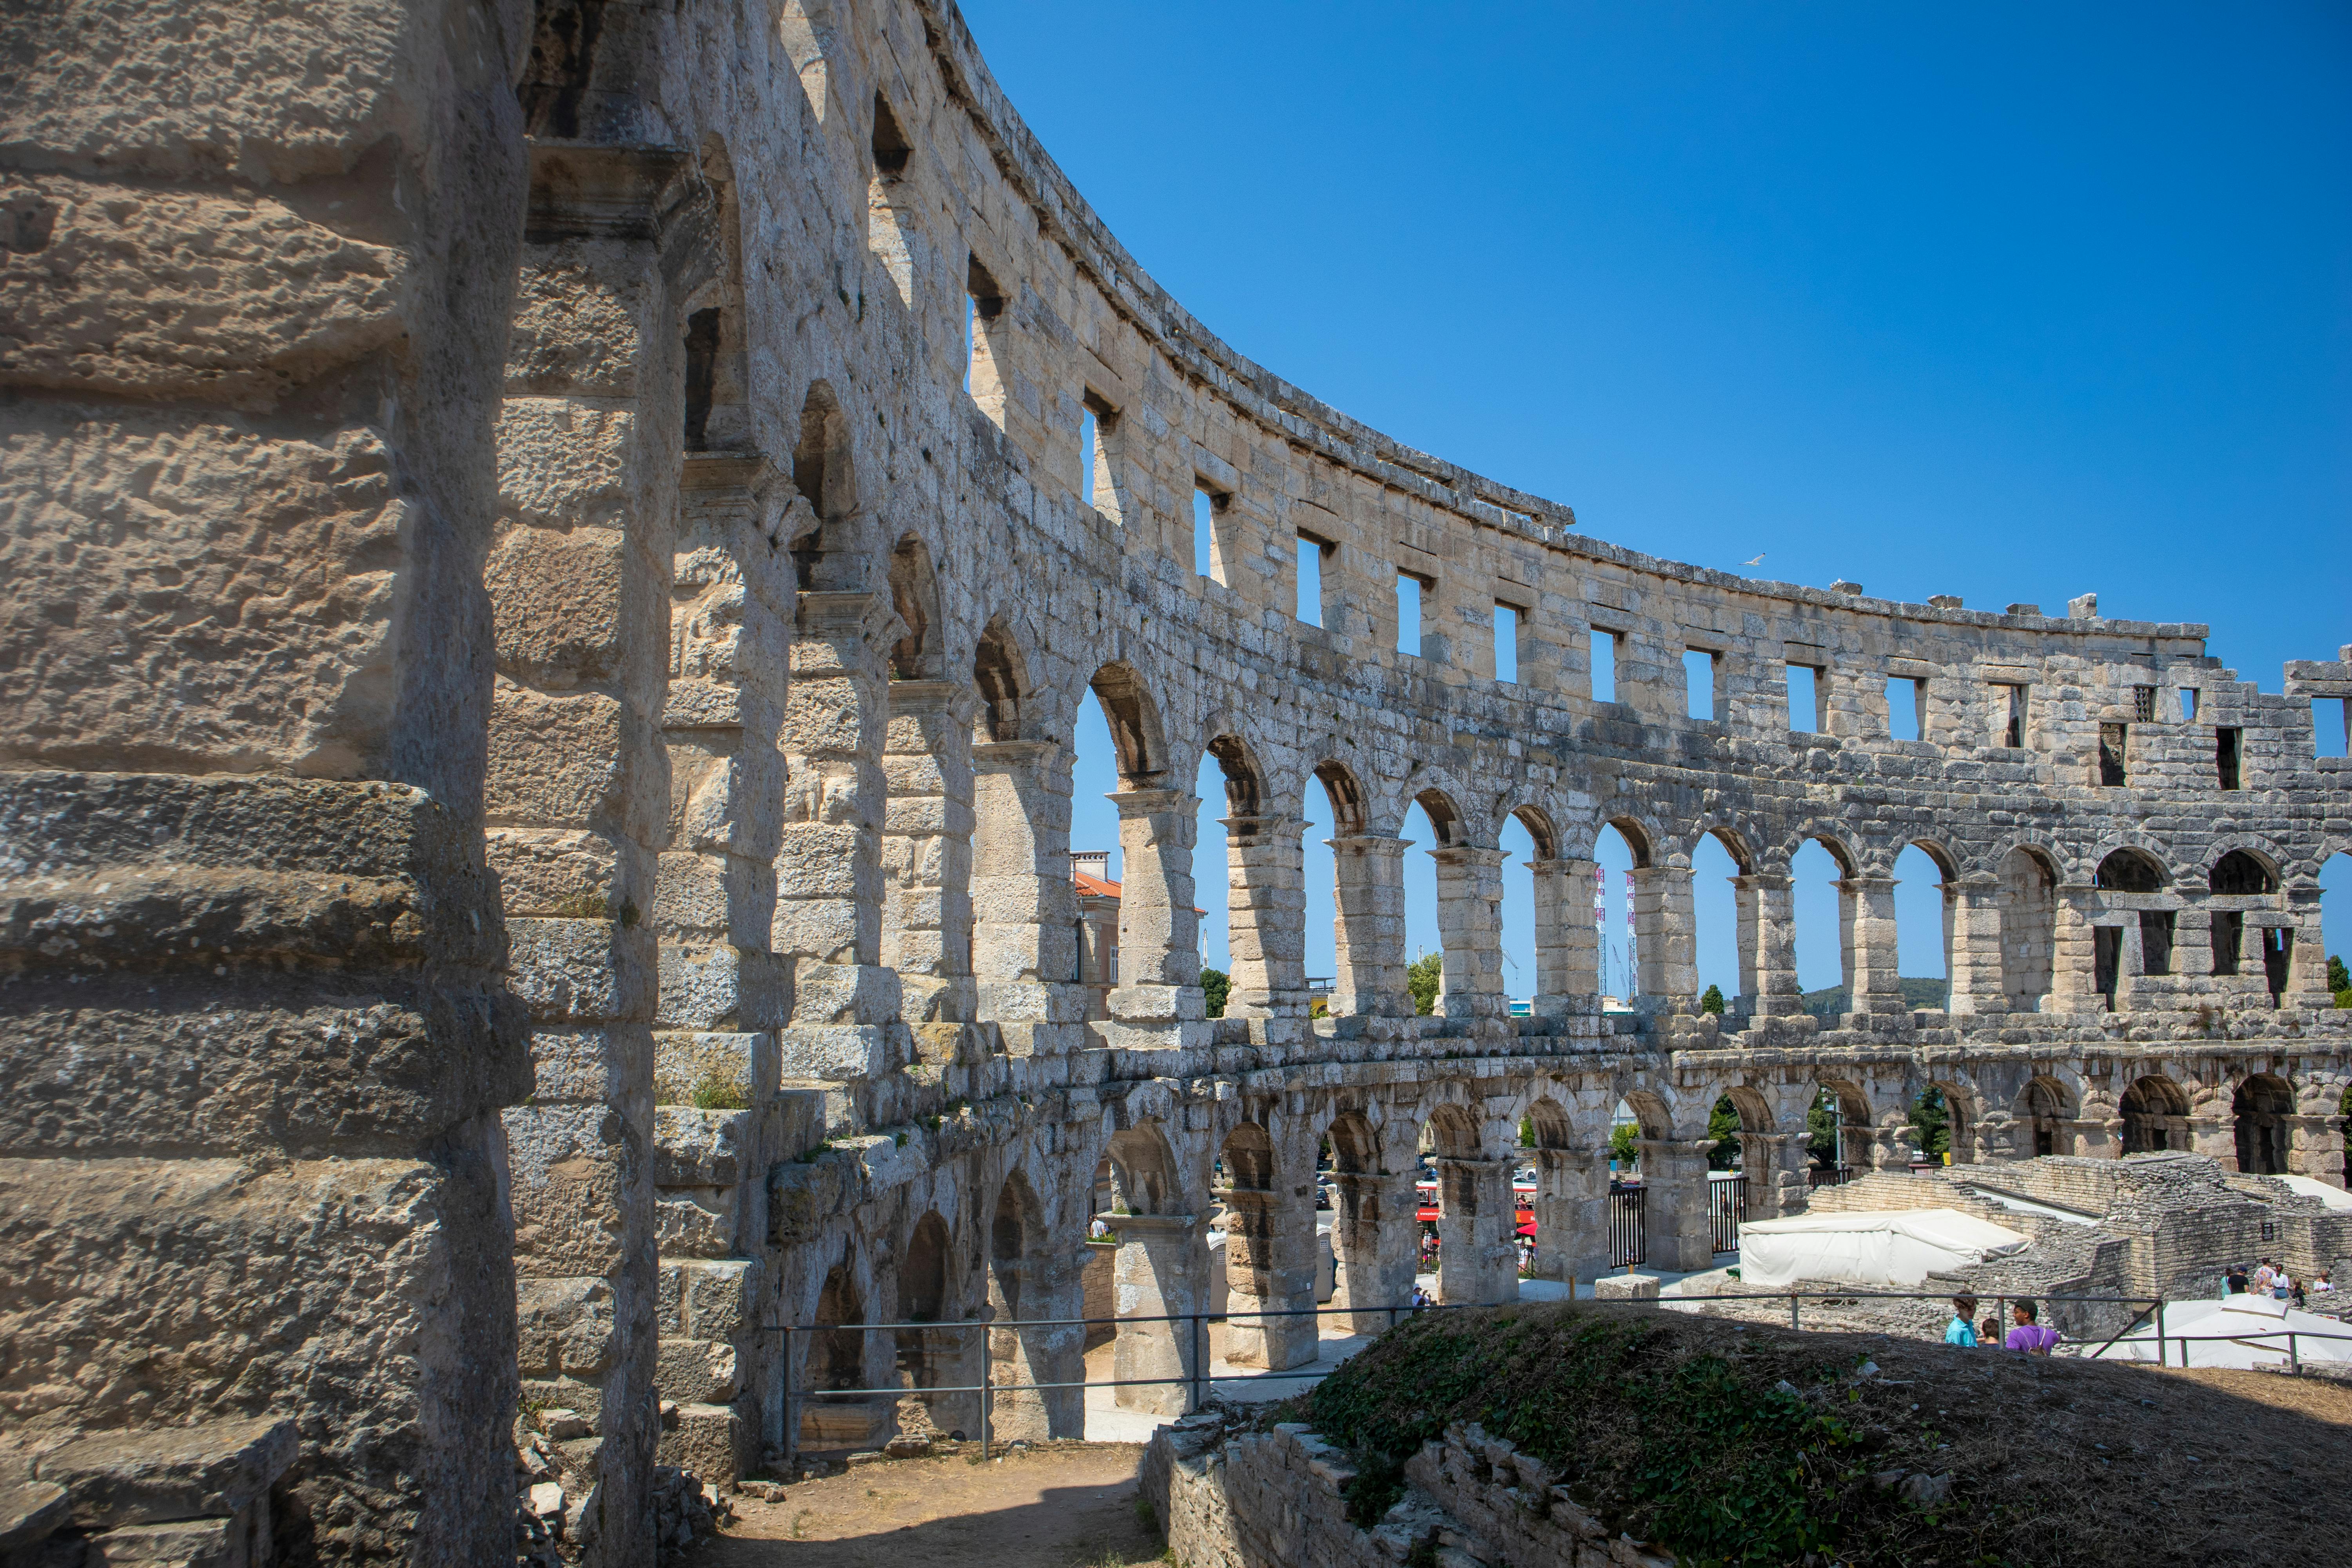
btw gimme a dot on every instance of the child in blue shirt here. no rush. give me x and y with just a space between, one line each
1962 1328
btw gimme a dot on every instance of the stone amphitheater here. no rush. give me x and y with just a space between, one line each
548 569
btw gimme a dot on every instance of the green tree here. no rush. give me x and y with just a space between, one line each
1527 1132
1421 977
1723 1126
1712 1001
1215 985
1822 1129
1934 1121
1621 1138
2339 982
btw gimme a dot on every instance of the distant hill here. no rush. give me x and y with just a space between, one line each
1918 997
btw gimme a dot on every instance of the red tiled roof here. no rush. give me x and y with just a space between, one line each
1094 884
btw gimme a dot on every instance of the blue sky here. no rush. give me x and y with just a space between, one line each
2004 301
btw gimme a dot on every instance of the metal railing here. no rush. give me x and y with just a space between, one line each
1726 1205
1198 1381
1629 1226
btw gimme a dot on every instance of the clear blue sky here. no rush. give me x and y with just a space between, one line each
2004 301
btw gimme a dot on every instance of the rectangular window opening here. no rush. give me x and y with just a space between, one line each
1310 579
2115 744
1506 642
2229 942
1804 700
1206 560
1906 709
1090 453
1698 682
1409 602
2226 751
1604 666
984 303
2014 705
2155 942
2188 705
2143 704
2331 726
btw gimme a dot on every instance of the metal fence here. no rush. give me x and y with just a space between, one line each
1829 1176
1726 1205
1629 1214
1198 1381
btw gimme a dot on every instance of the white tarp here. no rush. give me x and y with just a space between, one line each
2244 1331
1895 1247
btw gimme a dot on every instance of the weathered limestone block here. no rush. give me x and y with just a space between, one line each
213 1468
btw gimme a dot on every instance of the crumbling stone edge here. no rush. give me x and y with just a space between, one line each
1231 1497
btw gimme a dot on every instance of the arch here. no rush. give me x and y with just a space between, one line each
1244 780
1650 1109
1838 1125
822 473
1016 1222
1639 840
1001 676
1848 863
836 1356
2242 871
1134 721
1735 844
2129 870
1340 787
2155 1110
2261 1108
1451 1133
915 595
1539 824
1549 1124
1962 1119
2026 901
1247 1156
2045 1106
1444 818
1143 1171
923 1271
1355 1144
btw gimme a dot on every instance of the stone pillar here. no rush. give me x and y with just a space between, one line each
1162 1270
829 872
1156 1002
1892 1144
1777 1184
1477 1260
1267 898
1469 922
1678 1234
927 912
1368 927
2306 971
1665 937
2215 1134
1269 1267
1026 1348
1374 1235
1976 982
2073 986
1999 1137
1867 907
1768 943
2315 1147
1024 907
1568 946
1571 1214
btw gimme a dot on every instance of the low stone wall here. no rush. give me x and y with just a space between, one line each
1274 1500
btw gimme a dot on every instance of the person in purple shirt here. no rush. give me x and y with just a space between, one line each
2027 1335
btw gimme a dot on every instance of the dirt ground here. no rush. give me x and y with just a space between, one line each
1063 1506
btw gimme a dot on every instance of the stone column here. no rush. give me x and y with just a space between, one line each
1368 927
1768 937
1269 1267
1568 946
2073 981
1469 922
1571 1214
829 872
2306 971
1162 1268
1999 1138
1678 1234
1977 984
1267 898
927 850
1374 1236
1026 1348
1024 907
1867 907
2215 1134
2315 1147
1778 1186
1156 1002
1477 1261
1665 937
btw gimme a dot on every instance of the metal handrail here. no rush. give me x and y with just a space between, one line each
988 1387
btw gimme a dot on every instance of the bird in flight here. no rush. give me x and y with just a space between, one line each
1756 562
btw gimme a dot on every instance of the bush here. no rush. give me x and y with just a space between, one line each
1215 986
1421 977
715 1090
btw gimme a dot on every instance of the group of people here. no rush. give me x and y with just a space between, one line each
2270 1279
2026 1334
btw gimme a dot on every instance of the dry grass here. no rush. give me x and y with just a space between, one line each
2055 1462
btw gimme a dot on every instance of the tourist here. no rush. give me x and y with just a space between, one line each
2282 1284
1099 1230
2234 1283
2264 1275
2028 1335
1961 1331
2323 1282
1989 1330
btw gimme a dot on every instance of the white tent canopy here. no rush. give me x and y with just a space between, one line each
1896 1247
2241 1330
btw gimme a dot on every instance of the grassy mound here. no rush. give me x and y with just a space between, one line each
1752 1445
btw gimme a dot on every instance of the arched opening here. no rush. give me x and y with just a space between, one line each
1823 926
2047 1108
2335 924
2156 1116
821 472
997 675
1726 971
833 1417
1925 896
1838 1134
915 595
1248 890
2027 902
1941 1118
1434 923
1621 850
1468 1247
2129 870
2241 884
1008 1249
1142 1172
1135 923
1023 908
2261 1109
1372 1228
1524 841
927 1358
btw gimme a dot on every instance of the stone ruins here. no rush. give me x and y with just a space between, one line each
548 566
